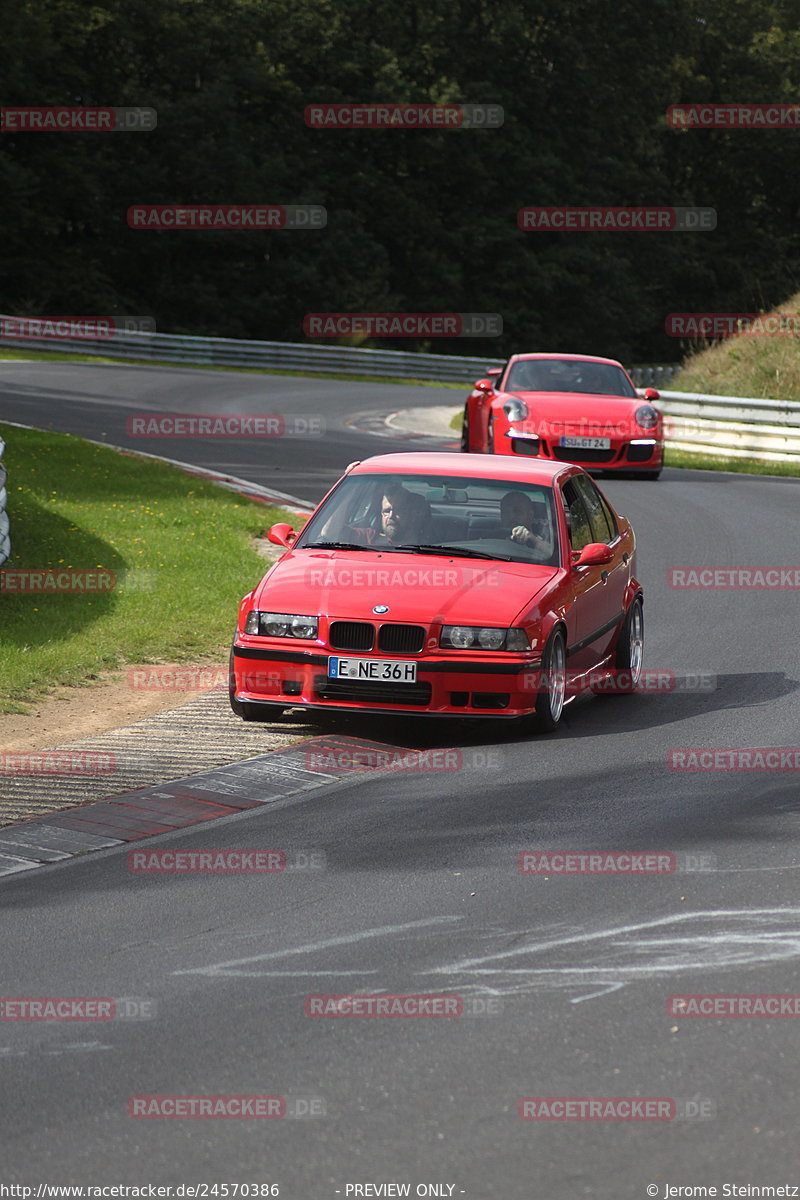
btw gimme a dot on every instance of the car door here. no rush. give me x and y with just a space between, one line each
608 599
595 618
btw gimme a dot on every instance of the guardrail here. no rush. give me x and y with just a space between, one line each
5 536
308 357
731 426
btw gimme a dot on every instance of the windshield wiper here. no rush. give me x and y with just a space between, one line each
333 546
452 551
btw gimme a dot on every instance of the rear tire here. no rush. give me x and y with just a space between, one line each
550 701
630 654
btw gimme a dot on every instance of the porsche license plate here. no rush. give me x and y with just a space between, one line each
586 443
378 670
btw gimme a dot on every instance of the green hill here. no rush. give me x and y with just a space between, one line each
748 365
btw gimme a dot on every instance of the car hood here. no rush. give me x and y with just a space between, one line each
580 407
417 588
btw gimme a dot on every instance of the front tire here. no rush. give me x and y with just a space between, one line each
550 701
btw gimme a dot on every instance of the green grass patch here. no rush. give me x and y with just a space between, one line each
746 365
457 421
713 462
180 549
63 356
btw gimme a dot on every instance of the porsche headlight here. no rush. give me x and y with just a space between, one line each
291 625
483 637
515 409
646 417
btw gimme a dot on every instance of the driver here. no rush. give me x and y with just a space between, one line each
403 515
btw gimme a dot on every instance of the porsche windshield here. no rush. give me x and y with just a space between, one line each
568 375
434 514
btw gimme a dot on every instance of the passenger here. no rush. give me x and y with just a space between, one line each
518 516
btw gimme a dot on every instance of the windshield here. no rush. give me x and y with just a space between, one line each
568 375
480 518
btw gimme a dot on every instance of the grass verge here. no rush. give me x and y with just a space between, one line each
179 548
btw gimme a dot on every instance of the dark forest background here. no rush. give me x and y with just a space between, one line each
417 221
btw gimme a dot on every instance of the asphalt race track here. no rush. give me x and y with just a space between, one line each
422 894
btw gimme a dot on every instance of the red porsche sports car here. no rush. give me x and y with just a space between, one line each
567 408
438 584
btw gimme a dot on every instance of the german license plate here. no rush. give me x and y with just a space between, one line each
377 670
586 443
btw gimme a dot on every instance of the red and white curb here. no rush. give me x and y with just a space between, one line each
195 800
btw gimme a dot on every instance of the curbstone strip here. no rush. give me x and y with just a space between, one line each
193 800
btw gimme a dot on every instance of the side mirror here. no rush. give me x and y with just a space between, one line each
494 372
650 394
594 555
484 385
281 534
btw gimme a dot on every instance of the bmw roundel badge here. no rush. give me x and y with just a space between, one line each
380 609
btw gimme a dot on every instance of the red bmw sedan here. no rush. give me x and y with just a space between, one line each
447 586
566 408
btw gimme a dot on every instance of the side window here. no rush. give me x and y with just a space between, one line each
600 519
580 529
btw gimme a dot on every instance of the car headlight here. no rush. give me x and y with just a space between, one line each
478 637
269 624
646 417
515 409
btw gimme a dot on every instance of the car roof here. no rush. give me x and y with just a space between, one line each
478 466
567 357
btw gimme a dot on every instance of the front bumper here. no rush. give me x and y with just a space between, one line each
642 452
462 687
